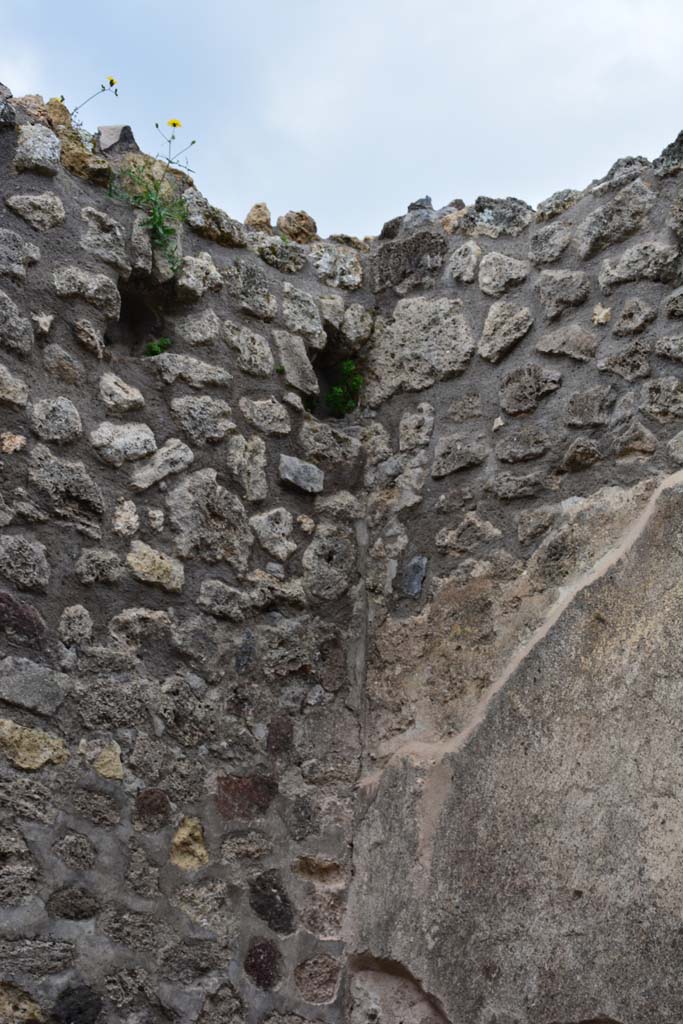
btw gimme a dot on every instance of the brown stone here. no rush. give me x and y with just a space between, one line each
152 808
263 963
258 218
297 227
244 796
77 158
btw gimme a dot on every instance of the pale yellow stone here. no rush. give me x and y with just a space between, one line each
601 314
258 218
105 758
306 523
17 1007
108 764
188 850
152 566
30 748
450 222
10 443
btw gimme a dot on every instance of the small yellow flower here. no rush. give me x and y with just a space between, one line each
174 123
112 81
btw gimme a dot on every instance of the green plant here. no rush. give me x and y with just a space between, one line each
170 158
279 369
154 194
165 212
342 397
155 348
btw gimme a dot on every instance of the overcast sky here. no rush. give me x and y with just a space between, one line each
350 110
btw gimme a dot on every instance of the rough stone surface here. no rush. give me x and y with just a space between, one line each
454 452
258 218
561 289
464 262
210 222
266 415
616 220
41 210
30 749
426 341
646 261
194 372
498 273
197 275
118 396
505 325
38 150
97 290
303 475
13 390
273 531
573 341
369 718
117 443
547 243
16 255
253 351
209 521
24 562
336 265
151 566
16 333
171 458
204 419
25 684
56 419
299 227
301 315
294 361
105 238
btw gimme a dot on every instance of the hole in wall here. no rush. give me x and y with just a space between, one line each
141 319
328 369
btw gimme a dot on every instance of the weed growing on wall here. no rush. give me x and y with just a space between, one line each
154 193
165 212
171 158
342 398
155 348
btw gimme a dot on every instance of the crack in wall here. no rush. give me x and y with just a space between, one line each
437 780
433 755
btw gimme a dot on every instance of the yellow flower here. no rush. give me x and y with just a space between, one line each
112 81
174 123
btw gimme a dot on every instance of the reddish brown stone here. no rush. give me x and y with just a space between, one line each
263 963
19 621
244 796
280 735
152 808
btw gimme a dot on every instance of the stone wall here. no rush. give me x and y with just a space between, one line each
370 720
